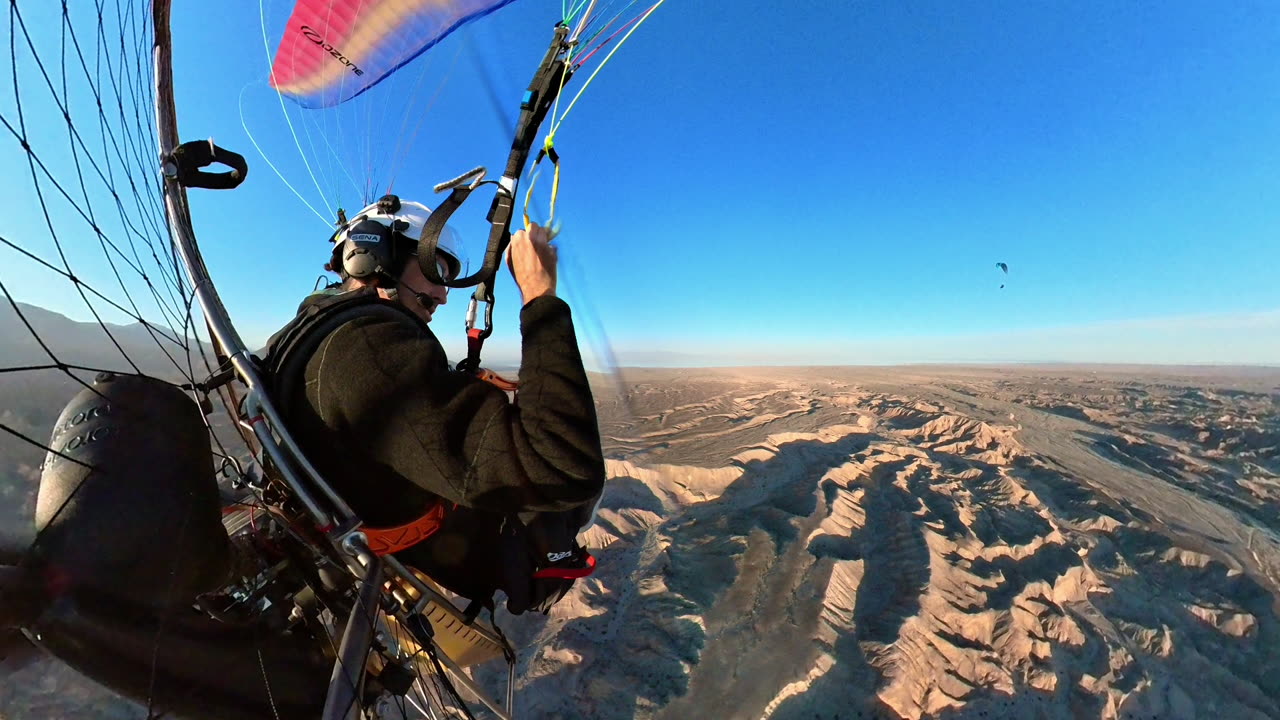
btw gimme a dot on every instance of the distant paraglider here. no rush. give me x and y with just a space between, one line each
1004 268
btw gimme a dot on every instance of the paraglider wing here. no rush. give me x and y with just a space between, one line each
333 50
1003 267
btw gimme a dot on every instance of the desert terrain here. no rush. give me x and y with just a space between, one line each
927 542
906 542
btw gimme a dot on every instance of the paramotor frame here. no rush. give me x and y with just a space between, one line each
331 516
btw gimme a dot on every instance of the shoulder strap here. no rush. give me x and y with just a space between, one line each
288 352
292 346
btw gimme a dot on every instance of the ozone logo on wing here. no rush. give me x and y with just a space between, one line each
315 37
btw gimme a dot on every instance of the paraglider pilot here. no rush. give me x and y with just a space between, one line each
479 491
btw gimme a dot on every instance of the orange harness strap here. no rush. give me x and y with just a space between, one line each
494 378
384 541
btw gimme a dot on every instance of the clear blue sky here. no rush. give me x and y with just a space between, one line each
809 182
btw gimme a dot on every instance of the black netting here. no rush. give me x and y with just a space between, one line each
88 276
89 279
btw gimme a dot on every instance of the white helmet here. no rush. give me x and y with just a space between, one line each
384 235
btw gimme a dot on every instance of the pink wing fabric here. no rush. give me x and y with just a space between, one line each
333 50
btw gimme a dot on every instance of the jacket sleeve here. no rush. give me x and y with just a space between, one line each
387 386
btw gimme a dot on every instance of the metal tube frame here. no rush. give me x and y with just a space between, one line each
346 684
465 680
339 521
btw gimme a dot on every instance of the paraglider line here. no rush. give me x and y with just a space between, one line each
283 111
598 31
330 178
404 120
413 138
272 165
602 64
606 41
586 18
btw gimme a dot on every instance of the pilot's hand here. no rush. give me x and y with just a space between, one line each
532 260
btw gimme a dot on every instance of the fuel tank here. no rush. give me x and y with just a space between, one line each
128 505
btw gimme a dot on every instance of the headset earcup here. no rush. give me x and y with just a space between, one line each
358 261
367 249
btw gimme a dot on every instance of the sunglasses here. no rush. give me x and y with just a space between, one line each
442 268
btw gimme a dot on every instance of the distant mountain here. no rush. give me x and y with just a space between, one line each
153 350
